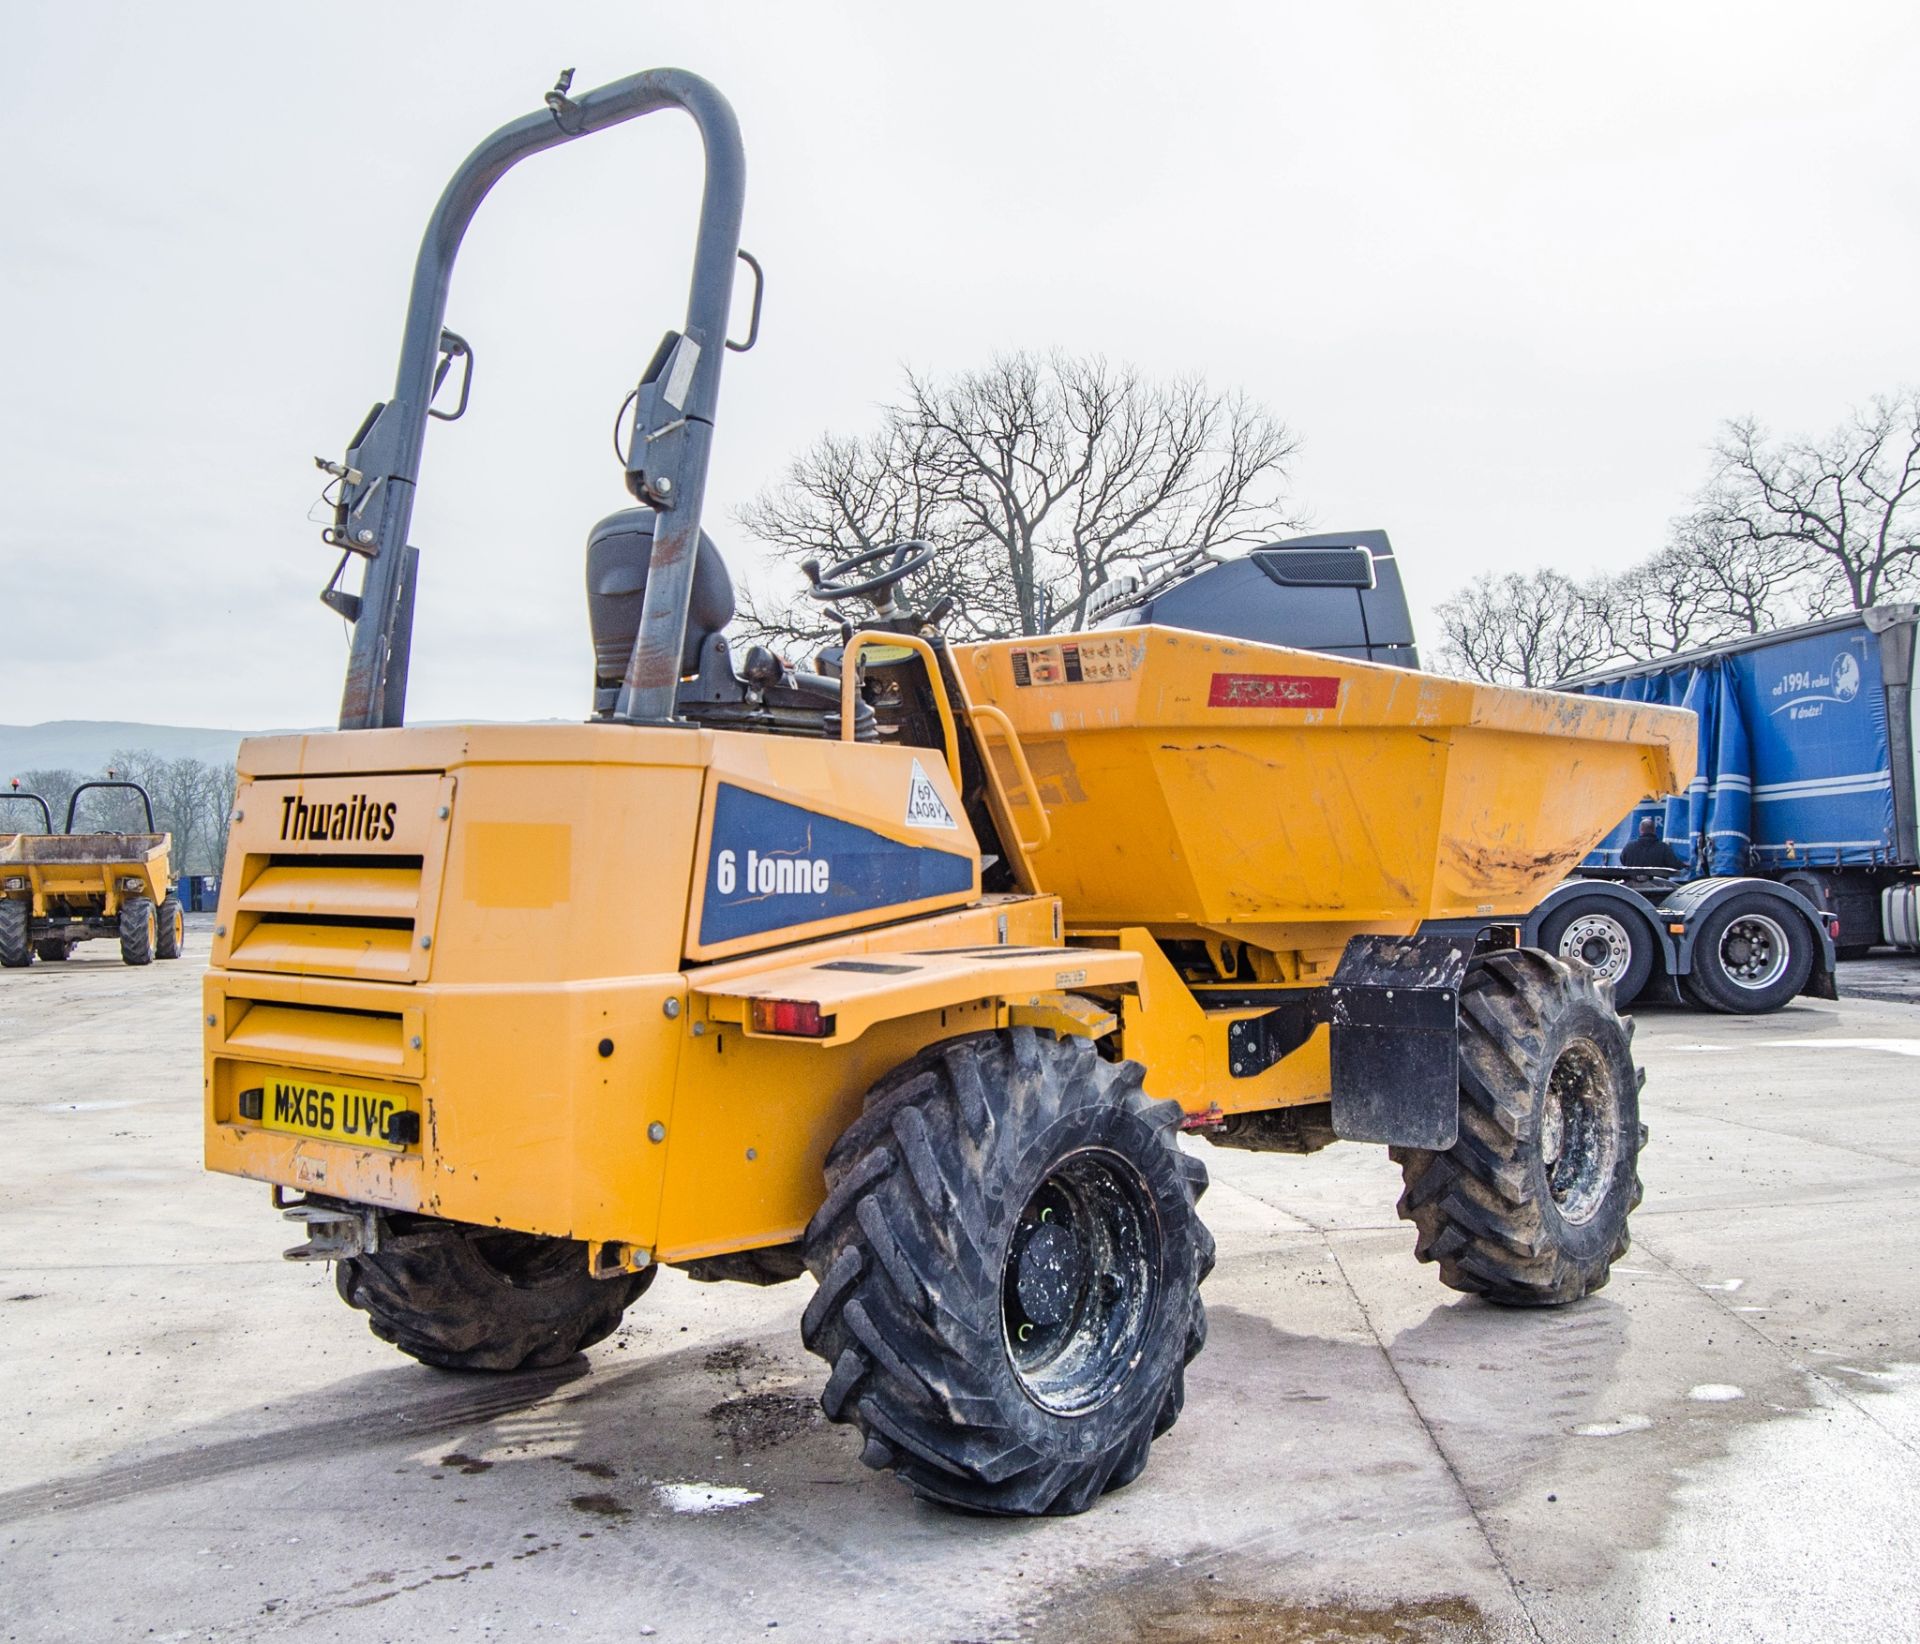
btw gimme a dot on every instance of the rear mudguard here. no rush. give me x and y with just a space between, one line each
1685 910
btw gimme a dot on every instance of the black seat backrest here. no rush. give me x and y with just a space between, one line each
619 551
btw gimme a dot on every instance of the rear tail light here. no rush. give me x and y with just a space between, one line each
1833 926
799 1017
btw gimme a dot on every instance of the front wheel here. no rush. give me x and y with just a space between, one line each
470 1298
16 950
1752 955
139 930
1529 1206
55 949
1009 1265
171 930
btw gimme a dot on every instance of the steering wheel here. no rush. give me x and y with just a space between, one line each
903 559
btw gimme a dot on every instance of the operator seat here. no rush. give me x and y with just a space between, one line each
619 552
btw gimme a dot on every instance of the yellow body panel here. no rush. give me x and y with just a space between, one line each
514 946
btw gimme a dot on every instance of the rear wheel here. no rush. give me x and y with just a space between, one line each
15 950
171 927
1753 954
1609 939
54 949
1529 1206
139 930
1009 1265
466 1298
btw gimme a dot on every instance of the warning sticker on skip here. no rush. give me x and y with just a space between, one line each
1274 691
1087 661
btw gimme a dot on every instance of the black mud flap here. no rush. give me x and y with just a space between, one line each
1393 1007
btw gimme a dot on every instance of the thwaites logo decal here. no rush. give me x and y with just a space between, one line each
772 865
359 818
1274 691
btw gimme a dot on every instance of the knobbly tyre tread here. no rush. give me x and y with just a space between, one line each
437 1299
169 929
908 1248
1482 1209
139 927
16 915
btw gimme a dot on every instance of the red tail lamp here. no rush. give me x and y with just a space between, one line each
800 1018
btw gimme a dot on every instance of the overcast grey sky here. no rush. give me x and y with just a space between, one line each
1503 266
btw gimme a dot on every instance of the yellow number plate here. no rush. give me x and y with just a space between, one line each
306 1106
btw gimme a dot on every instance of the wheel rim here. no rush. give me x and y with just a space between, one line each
1579 1132
1601 943
528 1261
1754 951
1081 1277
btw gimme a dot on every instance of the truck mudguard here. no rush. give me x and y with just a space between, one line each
1690 904
1630 904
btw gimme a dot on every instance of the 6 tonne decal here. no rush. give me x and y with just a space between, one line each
772 865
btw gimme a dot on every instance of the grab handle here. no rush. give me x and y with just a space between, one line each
850 679
987 712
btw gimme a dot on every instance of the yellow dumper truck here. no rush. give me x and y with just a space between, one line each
58 890
907 968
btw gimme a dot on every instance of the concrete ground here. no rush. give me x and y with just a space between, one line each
198 1440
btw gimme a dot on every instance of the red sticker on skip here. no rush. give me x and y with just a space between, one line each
1274 691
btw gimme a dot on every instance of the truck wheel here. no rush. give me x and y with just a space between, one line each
139 930
55 949
1009 1265
1612 942
172 929
1529 1207
15 950
1752 954
478 1299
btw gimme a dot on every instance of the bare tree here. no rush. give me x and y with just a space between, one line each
222 787
54 785
1847 502
1522 630
1038 479
1784 531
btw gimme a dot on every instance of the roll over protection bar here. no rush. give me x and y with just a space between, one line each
668 465
73 801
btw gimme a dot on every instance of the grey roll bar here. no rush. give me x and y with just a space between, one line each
668 462
46 815
73 801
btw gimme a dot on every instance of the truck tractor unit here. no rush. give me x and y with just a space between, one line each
919 968
58 890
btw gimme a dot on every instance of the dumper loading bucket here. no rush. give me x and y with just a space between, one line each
1290 797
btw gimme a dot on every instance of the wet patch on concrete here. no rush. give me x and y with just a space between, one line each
703 1498
465 1463
1208 1611
602 1506
595 1469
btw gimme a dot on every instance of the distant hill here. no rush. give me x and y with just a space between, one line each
87 744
